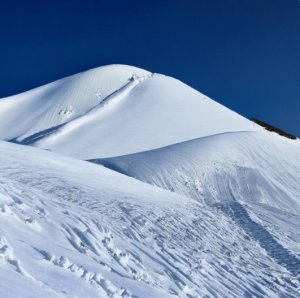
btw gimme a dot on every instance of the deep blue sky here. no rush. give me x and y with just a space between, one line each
244 54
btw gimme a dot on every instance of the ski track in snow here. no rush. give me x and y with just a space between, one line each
275 250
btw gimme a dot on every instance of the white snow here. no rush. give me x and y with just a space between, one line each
198 202
70 228
260 167
139 111
44 108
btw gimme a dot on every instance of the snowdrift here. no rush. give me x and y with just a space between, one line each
260 167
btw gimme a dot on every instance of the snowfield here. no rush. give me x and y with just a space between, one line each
154 191
70 228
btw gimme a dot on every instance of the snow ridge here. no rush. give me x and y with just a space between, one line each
259 167
61 101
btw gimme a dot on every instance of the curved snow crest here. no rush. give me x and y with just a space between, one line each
260 167
28 113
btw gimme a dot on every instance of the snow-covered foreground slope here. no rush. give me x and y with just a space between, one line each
112 111
70 228
260 167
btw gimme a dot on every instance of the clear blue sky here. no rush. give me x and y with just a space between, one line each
244 54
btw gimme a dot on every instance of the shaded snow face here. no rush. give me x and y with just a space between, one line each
49 106
71 228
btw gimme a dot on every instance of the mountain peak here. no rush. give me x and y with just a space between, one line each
88 115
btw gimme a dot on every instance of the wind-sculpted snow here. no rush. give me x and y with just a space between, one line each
205 204
112 111
70 228
259 167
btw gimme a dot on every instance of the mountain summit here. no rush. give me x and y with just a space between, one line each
111 111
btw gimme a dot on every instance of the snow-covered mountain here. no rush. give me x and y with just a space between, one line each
112 111
181 197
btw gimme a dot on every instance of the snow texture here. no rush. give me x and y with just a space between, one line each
70 228
181 197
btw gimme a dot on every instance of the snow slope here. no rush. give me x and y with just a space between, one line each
44 108
70 228
205 204
137 111
260 167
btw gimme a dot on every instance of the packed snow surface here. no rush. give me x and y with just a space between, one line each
112 111
70 228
